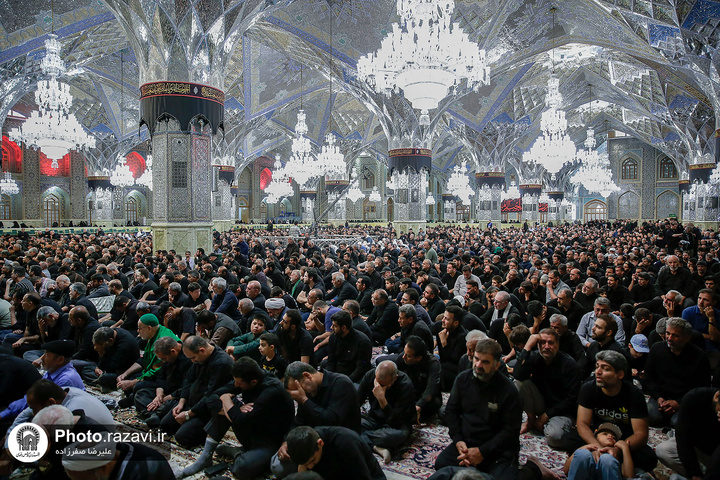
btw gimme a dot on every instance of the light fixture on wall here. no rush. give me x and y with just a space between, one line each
426 55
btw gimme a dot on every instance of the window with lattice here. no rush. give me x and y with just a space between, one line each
179 175
667 169
630 169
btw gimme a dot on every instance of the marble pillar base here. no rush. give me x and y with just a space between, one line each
182 237
405 226
223 225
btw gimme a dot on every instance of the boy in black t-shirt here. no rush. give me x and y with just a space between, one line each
271 360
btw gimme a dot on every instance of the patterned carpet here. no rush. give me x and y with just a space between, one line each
413 462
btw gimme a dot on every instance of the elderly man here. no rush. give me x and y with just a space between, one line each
672 369
553 285
570 343
586 297
601 307
383 320
217 328
568 306
549 382
388 423
673 276
51 326
150 330
276 308
342 290
460 287
210 371
253 292
500 310
78 298
224 301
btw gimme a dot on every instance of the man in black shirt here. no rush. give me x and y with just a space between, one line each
548 381
388 423
260 421
324 398
603 334
697 436
296 344
118 350
451 344
383 320
608 398
483 416
570 343
333 453
424 371
349 351
672 369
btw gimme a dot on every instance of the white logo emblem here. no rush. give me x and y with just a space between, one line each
27 442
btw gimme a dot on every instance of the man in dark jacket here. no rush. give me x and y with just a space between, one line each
260 421
118 350
383 320
388 423
423 369
349 351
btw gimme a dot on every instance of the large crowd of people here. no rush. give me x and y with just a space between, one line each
319 355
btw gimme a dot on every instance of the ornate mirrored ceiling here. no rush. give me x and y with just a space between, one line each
647 68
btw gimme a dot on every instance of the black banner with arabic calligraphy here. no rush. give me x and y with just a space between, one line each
183 101
415 158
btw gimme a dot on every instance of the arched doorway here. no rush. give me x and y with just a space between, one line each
132 207
51 209
390 209
263 211
595 210
462 212
244 210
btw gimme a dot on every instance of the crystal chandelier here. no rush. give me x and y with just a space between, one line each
8 186
544 198
280 185
354 193
429 199
594 173
301 162
146 179
375 195
459 185
426 56
331 161
553 148
512 193
52 128
122 176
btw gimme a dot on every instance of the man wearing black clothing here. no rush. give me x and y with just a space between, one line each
118 350
383 320
608 398
672 369
641 288
673 276
432 302
333 453
324 398
85 358
693 446
424 371
451 344
364 296
570 343
388 423
349 351
16 376
567 306
260 421
163 386
181 320
210 371
483 416
296 344
617 293
549 381
603 334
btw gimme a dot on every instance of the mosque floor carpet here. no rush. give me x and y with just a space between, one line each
412 462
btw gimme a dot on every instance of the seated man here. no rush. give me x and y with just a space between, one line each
388 423
217 328
604 338
383 320
601 307
548 381
483 416
349 351
697 436
210 371
451 344
570 343
118 351
334 453
672 369
423 369
260 421
610 399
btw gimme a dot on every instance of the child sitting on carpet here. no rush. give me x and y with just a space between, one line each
271 360
601 460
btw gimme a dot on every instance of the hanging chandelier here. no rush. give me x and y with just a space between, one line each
122 176
280 186
594 173
429 199
52 128
426 56
375 195
513 192
301 162
354 193
146 179
8 186
331 161
459 185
